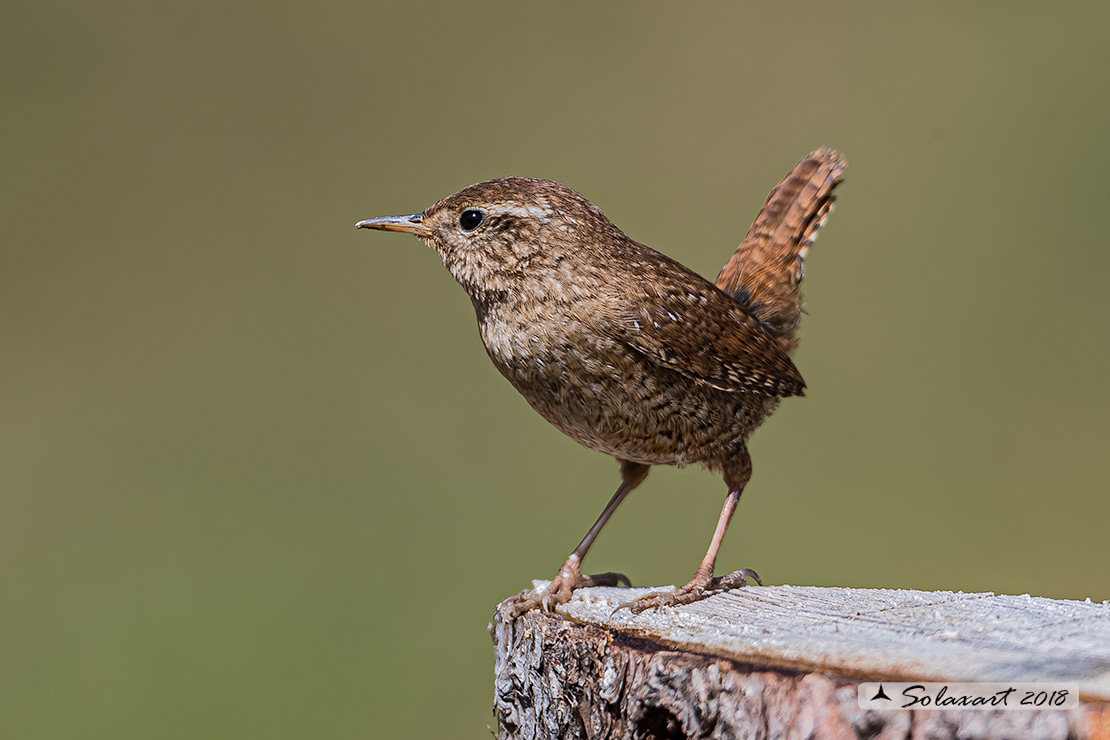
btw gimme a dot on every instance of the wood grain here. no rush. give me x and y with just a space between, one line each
784 661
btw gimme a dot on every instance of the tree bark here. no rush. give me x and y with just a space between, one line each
785 662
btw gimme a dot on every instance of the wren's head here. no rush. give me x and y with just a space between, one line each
494 234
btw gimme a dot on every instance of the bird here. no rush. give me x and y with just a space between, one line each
627 351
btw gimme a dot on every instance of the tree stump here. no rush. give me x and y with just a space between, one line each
786 661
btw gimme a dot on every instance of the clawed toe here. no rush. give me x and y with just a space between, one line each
528 600
603 579
560 590
737 579
531 599
695 590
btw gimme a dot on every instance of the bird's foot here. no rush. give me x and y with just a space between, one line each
562 586
697 589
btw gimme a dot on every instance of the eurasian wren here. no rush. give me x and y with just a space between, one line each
622 348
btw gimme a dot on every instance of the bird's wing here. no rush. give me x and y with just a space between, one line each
698 331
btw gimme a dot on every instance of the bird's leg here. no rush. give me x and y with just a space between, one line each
570 575
703 581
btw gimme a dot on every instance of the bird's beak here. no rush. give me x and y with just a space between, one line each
413 224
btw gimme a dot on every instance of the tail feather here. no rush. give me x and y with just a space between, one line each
765 273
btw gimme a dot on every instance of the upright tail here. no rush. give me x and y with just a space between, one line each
765 274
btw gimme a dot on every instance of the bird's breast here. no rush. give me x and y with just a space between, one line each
544 348
603 395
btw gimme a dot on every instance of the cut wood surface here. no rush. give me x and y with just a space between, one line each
774 661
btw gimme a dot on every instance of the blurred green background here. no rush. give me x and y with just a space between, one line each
258 478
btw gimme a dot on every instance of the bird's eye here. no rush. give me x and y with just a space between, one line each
471 219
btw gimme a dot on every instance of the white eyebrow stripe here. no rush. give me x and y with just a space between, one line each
522 211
